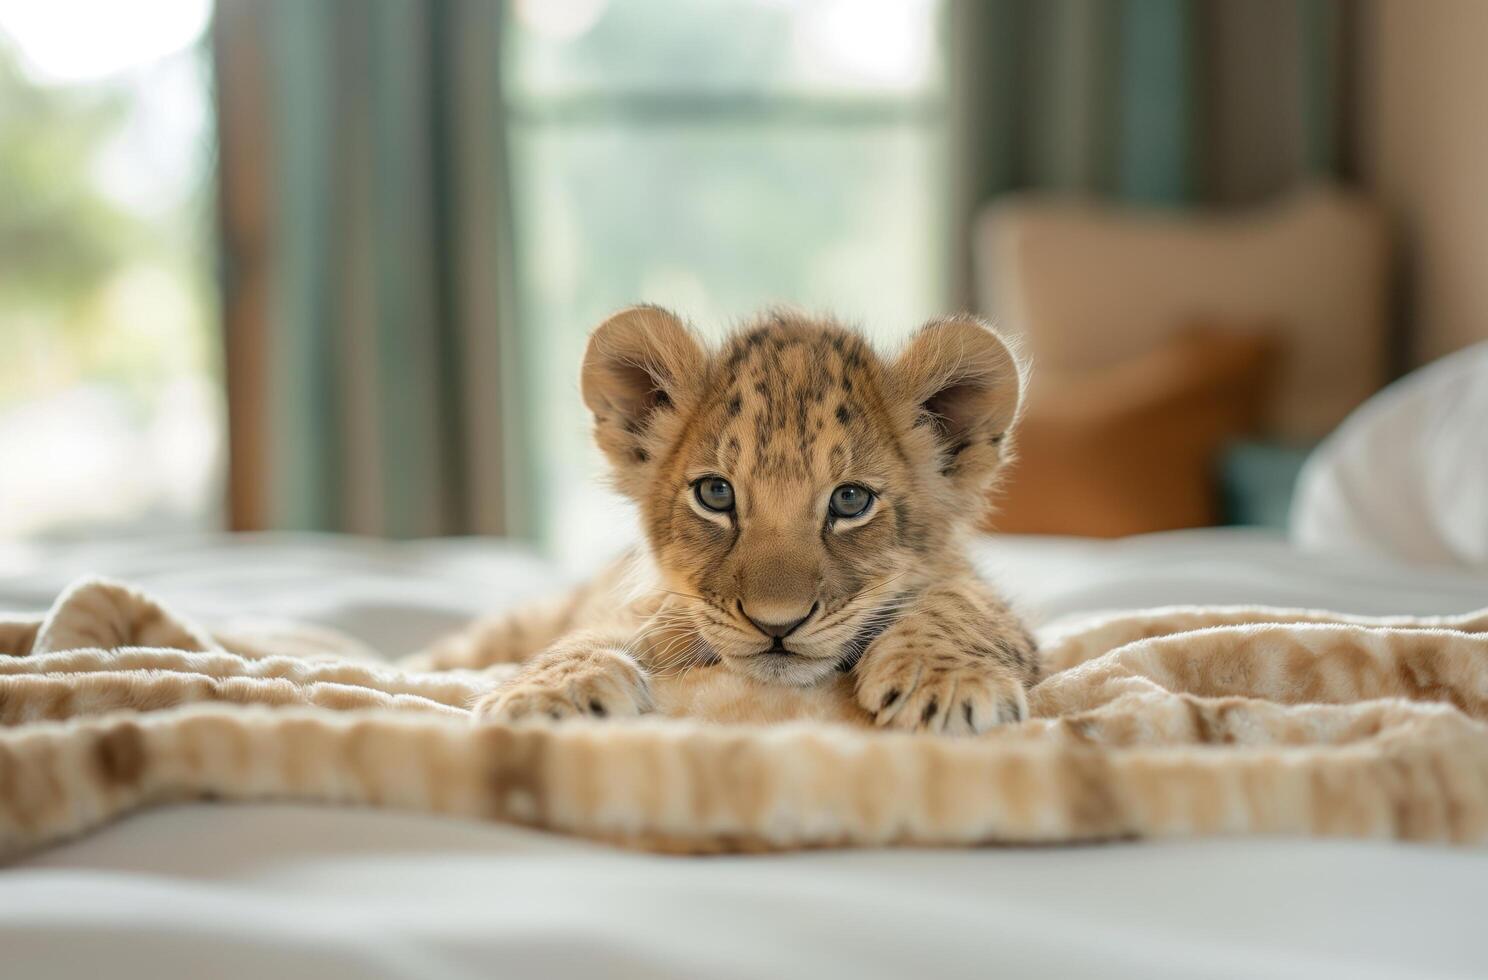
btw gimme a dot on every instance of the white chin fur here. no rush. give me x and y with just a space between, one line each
787 671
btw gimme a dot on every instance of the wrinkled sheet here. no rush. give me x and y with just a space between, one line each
294 891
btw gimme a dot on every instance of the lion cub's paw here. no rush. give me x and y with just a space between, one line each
919 689
598 683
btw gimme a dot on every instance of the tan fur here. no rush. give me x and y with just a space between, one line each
787 410
1229 721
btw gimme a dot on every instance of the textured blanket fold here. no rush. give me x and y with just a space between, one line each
1172 722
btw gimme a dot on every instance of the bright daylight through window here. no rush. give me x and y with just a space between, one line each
761 152
110 405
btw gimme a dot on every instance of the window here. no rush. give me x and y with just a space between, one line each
715 158
110 411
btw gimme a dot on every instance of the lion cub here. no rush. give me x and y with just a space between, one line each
805 503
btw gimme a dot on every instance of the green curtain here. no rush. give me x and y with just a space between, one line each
1158 102
382 402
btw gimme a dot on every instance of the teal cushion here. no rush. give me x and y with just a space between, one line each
1257 480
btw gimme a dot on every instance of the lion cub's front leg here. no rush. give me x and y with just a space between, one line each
585 674
957 660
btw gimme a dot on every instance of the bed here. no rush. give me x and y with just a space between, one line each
291 891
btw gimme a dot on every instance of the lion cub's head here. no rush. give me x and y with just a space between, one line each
795 487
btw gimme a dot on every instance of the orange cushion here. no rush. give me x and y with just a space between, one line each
1134 447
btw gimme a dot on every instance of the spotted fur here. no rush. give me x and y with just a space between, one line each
1166 723
787 409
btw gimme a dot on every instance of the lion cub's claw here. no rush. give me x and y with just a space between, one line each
911 689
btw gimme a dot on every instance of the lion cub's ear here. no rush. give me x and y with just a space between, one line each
966 385
642 369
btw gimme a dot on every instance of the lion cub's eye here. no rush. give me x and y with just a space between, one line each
850 500
714 493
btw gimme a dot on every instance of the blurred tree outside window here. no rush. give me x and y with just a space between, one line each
714 157
110 401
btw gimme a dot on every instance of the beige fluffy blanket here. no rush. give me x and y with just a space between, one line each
1173 722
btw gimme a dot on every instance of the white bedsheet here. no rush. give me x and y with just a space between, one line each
292 891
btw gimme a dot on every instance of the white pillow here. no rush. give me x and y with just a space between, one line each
1406 475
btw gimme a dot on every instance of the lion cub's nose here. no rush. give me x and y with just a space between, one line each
774 624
